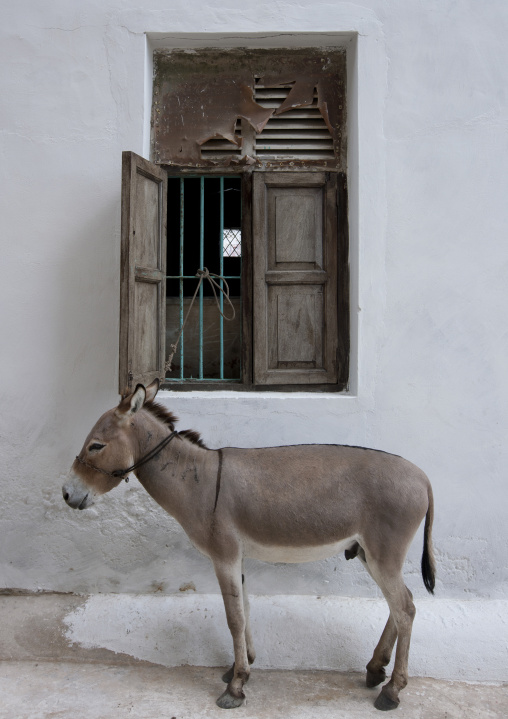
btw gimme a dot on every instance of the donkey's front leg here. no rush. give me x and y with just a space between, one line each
251 652
230 581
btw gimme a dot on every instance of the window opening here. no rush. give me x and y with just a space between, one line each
204 221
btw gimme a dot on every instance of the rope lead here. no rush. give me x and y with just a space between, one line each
210 276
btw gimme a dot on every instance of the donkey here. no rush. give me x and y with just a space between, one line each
277 504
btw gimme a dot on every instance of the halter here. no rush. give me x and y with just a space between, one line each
122 472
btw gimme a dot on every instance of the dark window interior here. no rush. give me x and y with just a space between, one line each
203 212
211 231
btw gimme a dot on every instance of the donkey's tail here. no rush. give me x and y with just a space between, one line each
428 562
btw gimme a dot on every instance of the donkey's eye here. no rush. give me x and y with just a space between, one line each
95 447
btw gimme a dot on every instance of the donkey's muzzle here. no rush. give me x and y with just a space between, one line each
75 498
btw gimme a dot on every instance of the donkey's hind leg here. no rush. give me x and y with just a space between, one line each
402 613
251 653
376 673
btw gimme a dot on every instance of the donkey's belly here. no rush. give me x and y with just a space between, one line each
294 554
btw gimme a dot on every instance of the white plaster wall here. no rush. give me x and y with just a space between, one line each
428 171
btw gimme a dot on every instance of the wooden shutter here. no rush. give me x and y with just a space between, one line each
295 278
143 270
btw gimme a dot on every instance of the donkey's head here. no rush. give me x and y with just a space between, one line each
108 450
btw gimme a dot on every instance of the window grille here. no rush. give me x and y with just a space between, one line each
204 220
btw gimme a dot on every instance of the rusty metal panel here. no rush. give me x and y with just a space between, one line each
200 96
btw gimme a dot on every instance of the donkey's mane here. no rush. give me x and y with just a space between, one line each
169 418
193 436
161 413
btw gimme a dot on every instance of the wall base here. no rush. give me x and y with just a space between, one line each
290 632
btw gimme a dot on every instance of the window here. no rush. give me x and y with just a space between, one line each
248 180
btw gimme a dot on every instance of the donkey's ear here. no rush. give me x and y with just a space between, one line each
137 399
152 389
132 404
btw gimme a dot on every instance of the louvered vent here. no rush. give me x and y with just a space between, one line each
222 149
296 134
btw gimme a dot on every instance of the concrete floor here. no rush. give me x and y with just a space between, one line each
43 675
66 690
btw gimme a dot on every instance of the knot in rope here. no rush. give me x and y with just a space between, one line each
203 274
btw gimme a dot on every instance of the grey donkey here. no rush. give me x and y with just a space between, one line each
277 504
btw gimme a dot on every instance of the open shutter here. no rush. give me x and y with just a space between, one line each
143 270
295 278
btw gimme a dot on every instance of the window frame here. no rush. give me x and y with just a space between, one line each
176 166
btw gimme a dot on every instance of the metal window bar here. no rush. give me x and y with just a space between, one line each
181 277
201 263
221 272
180 291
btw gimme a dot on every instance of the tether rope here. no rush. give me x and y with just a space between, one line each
202 274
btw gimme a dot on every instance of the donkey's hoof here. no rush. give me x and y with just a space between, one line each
228 701
374 678
228 676
385 703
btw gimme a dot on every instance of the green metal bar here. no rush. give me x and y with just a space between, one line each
221 272
241 274
193 277
201 264
231 177
208 379
180 292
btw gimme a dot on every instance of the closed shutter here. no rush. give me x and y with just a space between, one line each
295 278
143 269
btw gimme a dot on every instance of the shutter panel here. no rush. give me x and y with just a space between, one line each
143 270
295 278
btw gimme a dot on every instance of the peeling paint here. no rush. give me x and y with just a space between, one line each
200 96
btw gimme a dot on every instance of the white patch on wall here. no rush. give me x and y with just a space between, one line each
297 632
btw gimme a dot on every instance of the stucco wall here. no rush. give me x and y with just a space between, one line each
428 173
